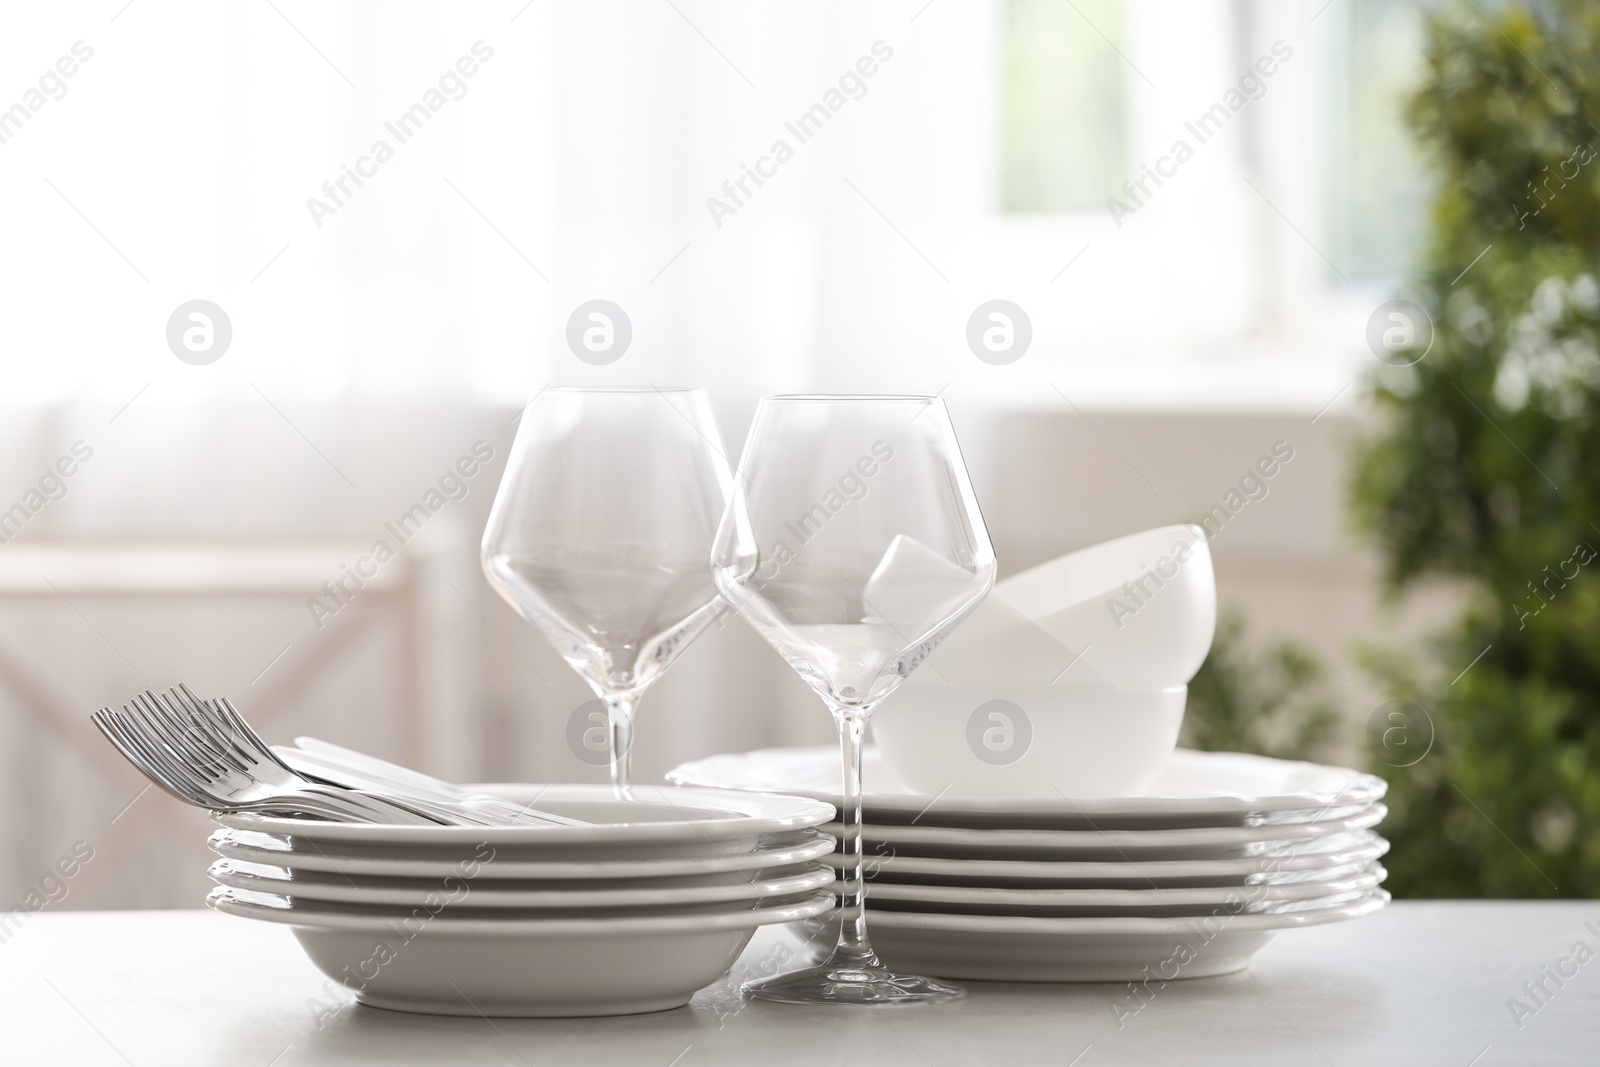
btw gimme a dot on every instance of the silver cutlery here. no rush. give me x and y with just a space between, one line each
208 769
322 760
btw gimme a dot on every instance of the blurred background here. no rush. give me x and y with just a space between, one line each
392 210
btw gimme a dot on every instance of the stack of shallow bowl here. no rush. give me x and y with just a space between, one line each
1186 881
651 901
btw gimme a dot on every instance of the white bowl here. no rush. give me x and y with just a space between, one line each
664 822
310 887
735 867
1141 610
989 741
512 967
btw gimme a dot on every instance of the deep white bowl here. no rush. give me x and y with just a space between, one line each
778 851
516 967
663 822
312 887
988 741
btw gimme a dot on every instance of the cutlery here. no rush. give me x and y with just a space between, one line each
220 716
333 764
206 772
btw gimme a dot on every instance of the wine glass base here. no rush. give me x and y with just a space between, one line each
844 983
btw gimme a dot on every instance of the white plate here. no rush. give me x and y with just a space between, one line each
1123 949
1239 906
696 820
996 872
274 851
993 900
1195 789
518 967
1217 840
469 893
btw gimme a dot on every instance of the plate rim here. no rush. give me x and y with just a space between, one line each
943 922
1114 837
225 900
790 885
1181 868
1362 787
754 860
1154 896
763 812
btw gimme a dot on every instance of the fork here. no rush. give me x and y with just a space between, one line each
167 765
219 718
203 757
345 769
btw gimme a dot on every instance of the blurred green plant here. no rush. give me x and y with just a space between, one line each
1485 470
1268 701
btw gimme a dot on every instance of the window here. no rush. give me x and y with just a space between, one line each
1064 139
1379 184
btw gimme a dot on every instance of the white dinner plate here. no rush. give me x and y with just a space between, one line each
691 821
1236 907
1217 840
1194 789
472 894
994 900
1121 949
275 851
517 967
901 868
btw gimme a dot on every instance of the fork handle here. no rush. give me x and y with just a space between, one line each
348 805
330 763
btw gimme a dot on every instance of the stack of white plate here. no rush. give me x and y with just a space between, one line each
1185 882
651 901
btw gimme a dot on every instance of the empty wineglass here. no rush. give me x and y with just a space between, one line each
853 544
600 532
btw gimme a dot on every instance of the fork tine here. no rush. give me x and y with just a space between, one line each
197 729
175 770
160 729
127 739
225 708
205 716
141 718
106 721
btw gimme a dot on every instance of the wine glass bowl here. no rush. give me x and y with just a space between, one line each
600 531
853 544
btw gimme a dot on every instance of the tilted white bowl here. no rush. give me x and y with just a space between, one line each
1141 610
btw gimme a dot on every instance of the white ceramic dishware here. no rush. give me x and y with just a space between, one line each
957 740
1142 872
1190 842
993 900
510 966
470 892
1140 609
733 867
1120 949
1193 789
997 645
659 821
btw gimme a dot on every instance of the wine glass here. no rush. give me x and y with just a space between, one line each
600 532
854 545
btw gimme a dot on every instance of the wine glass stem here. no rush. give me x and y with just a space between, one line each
619 710
853 943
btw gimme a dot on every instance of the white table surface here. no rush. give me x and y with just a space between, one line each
1419 983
